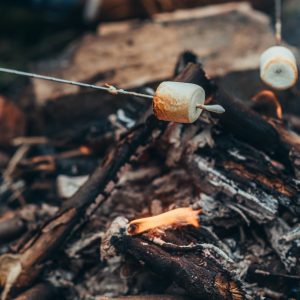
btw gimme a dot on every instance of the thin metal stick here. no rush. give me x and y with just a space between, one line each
108 88
278 21
215 108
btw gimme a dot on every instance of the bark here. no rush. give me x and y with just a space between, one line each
188 259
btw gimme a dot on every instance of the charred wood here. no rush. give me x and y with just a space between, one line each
199 270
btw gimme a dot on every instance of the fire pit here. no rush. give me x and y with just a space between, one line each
101 199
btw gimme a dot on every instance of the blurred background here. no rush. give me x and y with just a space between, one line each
41 35
31 29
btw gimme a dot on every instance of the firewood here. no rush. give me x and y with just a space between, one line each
199 272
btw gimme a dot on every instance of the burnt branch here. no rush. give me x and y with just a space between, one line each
203 270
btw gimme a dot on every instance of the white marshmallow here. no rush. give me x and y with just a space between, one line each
278 68
177 101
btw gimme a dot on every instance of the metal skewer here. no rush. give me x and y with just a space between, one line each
278 21
215 108
109 88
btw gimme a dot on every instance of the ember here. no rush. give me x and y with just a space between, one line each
267 102
175 217
85 150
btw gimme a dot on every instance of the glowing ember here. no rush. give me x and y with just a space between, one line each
269 99
85 150
177 217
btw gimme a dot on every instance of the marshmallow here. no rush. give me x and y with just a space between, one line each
278 68
178 101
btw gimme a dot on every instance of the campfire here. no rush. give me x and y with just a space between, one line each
156 159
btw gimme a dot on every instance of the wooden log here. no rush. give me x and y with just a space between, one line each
199 270
199 276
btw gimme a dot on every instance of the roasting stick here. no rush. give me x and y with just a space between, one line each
278 22
109 88
278 66
172 101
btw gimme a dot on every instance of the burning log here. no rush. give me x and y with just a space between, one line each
200 277
195 266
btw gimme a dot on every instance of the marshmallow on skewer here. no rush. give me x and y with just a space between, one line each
178 101
172 101
278 68
181 102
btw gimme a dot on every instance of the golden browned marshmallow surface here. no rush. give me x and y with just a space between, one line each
177 101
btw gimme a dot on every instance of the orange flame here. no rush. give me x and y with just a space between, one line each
178 217
267 97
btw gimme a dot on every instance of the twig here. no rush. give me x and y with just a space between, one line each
19 154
